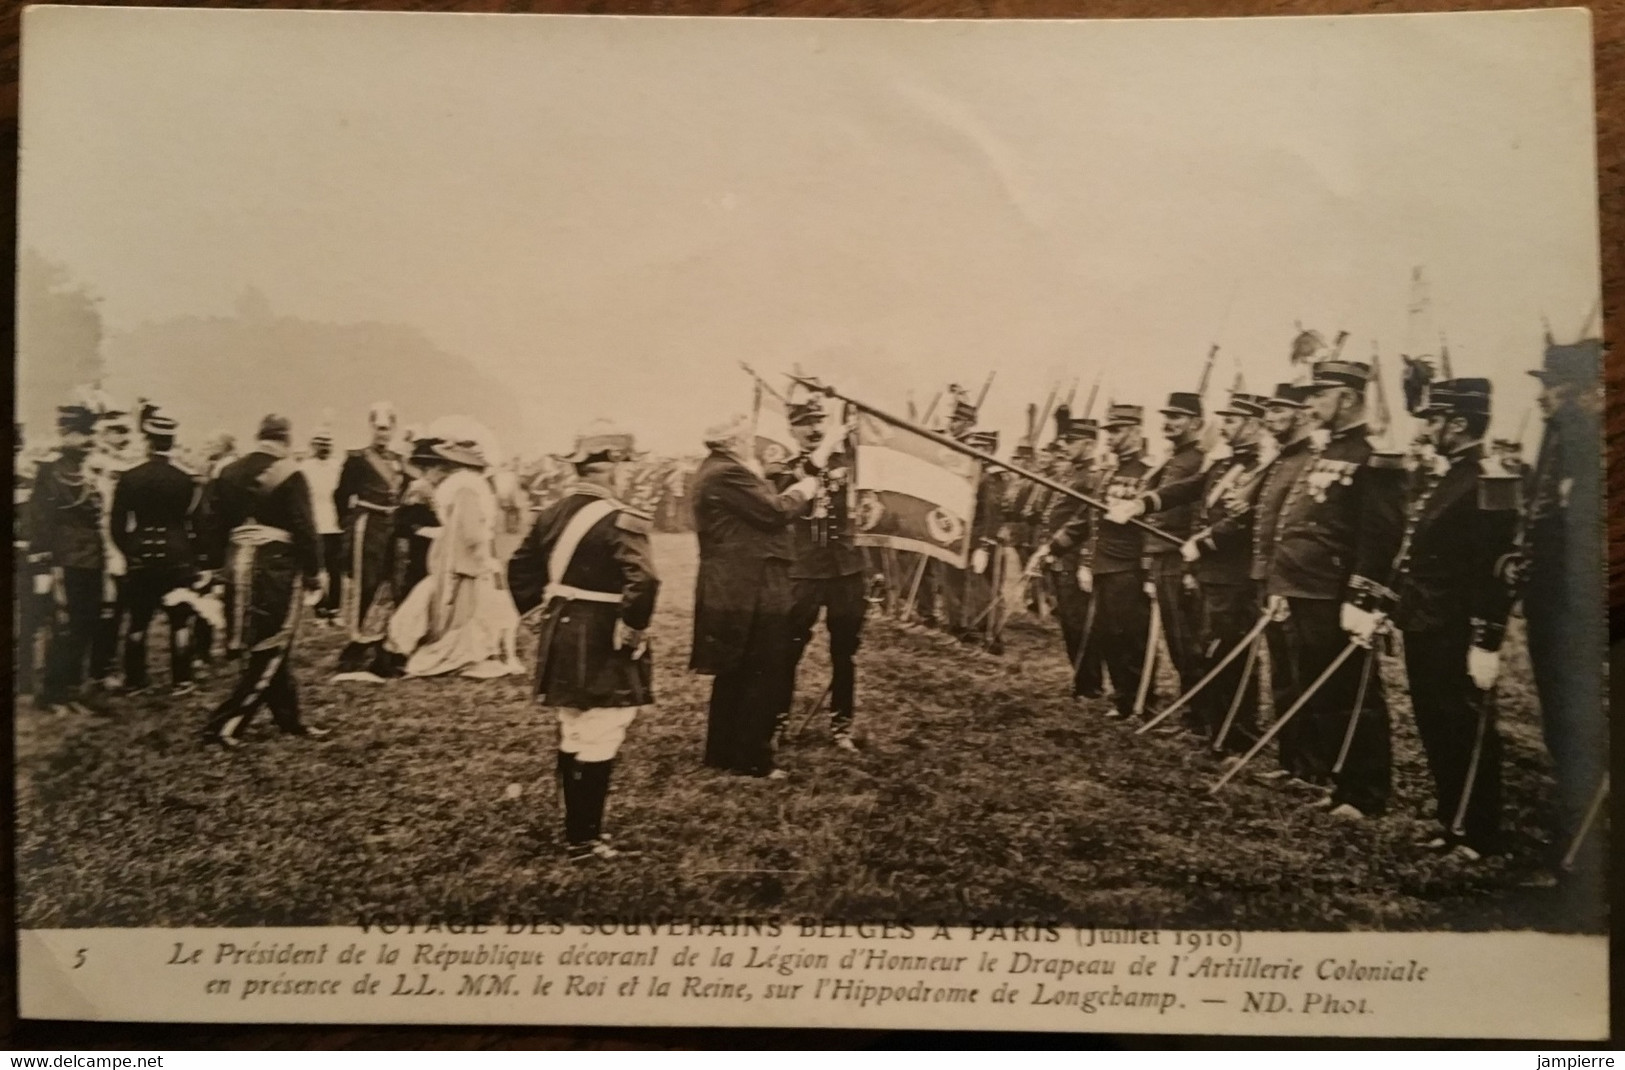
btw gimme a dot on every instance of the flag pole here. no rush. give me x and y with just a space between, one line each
946 442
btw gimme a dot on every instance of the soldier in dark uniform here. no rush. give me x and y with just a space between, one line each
1111 563
33 608
111 457
369 492
1286 419
1449 600
265 538
1077 469
1219 554
979 580
827 570
1561 579
152 527
1338 527
742 596
65 544
1179 606
586 561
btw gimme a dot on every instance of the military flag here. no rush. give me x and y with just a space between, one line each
913 494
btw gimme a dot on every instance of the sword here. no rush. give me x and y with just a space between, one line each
1280 723
1241 690
806 718
1088 630
1149 666
1247 642
1354 717
1486 710
1585 826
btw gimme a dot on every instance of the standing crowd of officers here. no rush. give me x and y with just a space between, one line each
1298 539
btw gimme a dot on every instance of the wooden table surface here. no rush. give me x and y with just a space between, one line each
1609 28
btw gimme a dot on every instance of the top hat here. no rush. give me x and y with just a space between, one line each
1578 363
75 419
1181 403
1334 373
275 428
802 413
1510 444
986 441
963 410
1290 395
601 441
1124 415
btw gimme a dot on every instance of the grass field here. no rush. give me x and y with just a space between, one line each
981 795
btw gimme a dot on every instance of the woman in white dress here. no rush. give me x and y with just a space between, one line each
459 618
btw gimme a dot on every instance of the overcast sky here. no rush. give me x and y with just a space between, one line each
609 214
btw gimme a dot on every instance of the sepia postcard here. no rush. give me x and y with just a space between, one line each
1031 525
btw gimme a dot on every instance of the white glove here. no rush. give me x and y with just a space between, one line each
1035 563
1086 579
204 579
1188 582
1121 512
627 637
42 583
978 560
1483 666
1360 624
1150 589
1278 608
429 532
807 488
314 595
1189 551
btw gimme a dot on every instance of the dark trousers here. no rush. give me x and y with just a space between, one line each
33 615
74 630
842 600
746 701
1565 647
145 589
1450 714
1072 609
1228 613
1122 617
1284 686
1314 640
270 623
585 787
1181 612
104 645
375 533
333 565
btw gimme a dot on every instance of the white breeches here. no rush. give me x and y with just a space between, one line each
594 735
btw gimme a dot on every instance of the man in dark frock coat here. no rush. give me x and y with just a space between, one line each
742 598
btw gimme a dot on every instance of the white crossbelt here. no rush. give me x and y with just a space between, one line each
564 552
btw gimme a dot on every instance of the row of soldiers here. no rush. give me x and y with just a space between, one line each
1304 540
110 533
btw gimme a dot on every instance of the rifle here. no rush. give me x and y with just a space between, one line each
814 386
1207 370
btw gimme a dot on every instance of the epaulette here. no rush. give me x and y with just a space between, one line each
634 520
